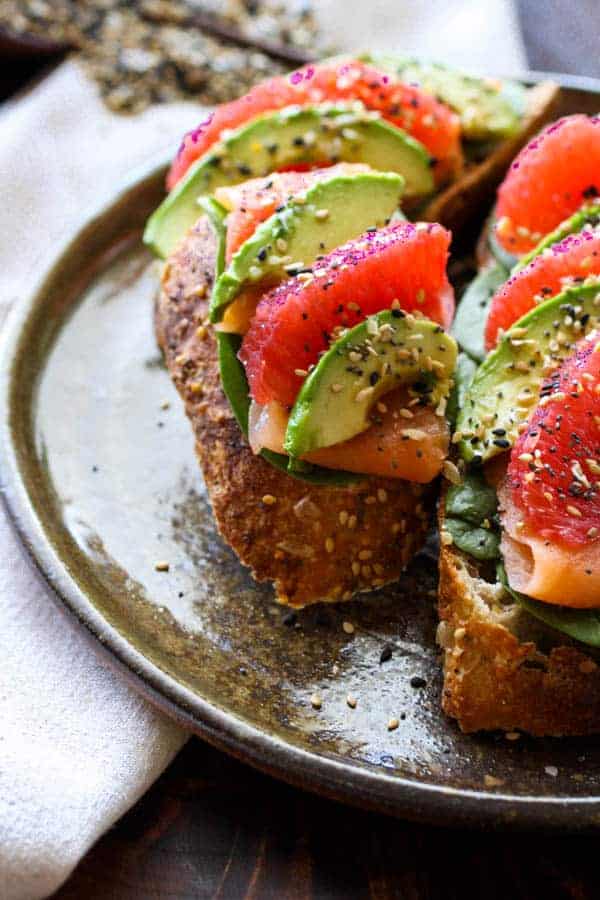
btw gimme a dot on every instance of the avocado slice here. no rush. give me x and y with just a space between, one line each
586 215
327 215
488 109
507 385
389 349
313 135
235 386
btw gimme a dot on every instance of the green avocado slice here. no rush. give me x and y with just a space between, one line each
235 386
586 215
371 359
488 109
507 384
328 214
296 135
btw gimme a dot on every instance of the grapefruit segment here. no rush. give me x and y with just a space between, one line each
296 321
403 105
549 179
569 262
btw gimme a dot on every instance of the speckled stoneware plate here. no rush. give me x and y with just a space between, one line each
100 477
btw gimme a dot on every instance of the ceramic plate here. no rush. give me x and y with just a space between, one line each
100 478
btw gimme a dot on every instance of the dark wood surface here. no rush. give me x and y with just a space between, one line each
213 828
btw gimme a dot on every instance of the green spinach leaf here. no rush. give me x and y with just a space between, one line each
469 324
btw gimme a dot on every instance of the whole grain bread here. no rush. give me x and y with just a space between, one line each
503 669
314 542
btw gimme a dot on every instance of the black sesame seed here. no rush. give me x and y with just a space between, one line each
386 653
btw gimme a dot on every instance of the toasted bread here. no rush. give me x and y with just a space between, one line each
473 191
316 543
503 669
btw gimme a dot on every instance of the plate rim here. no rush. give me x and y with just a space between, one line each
345 781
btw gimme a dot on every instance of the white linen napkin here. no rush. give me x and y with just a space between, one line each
77 745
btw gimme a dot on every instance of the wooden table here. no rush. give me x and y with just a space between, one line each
211 827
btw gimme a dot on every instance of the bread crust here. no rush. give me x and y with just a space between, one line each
474 191
493 680
314 542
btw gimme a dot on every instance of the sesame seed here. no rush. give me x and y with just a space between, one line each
355 568
573 511
316 701
348 627
365 554
329 545
552 771
269 499
322 214
446 538
161 566
352 522
351 701
392 724
451 472
593 532
201 332
301 373
343 517
381 407
382 495
512 735
414 434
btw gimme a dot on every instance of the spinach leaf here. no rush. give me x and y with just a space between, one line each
480 543
235 385
473 500
471 517
581 624
469 324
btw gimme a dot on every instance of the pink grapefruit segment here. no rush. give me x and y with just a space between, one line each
404 105
298 319
569 262
548 181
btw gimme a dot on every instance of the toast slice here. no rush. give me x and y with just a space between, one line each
473 192
503 669
316 543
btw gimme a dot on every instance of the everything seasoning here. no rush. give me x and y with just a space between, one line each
147 51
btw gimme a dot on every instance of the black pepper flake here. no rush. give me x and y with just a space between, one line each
418 682
386 653
374 378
